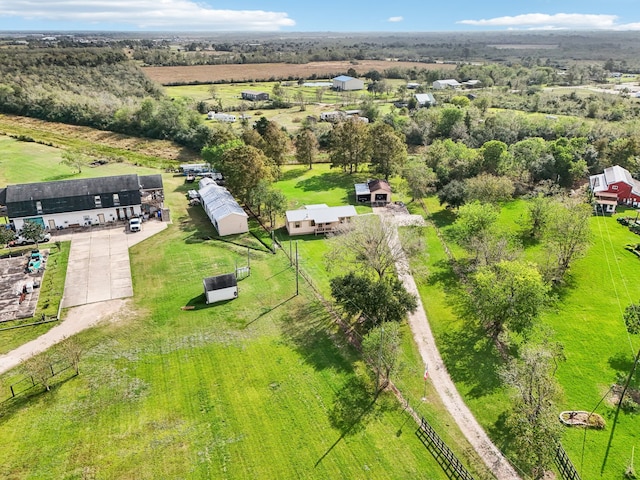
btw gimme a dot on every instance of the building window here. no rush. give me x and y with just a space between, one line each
39 207
98 201
614 187
296 225
116 200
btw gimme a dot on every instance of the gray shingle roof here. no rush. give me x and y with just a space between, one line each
150 182
72 188
220 281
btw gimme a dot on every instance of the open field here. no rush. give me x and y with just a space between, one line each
259 387
266 71
96 141
586 319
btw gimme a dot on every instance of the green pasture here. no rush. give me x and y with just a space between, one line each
586 318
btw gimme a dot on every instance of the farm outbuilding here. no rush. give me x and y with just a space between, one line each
344 83
222 209
254 96
446 83
220 288
375 192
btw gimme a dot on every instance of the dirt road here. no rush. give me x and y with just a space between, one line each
477 437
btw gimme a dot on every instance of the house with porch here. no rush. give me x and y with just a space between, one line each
315 219
254 96
81 202
375 192
614 186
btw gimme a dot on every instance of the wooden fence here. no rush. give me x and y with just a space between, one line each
452 467
565 466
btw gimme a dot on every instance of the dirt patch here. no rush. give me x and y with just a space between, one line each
265 71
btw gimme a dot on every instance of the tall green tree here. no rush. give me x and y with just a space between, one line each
276 144
212 154
420 179
350 145
388 150
306 144
374 301
75 159
244 167
494 154
32 231
567 235
6 235
504 298
488 189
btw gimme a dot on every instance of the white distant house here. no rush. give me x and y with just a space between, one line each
318 218
345 83
333 116
220 288
447 83
425 99
221 117
472 83
222 209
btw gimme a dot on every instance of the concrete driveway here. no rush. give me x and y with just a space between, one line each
99 268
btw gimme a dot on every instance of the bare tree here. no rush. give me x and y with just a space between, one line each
72 350
39 369
368 242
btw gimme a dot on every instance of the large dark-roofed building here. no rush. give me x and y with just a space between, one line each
80 202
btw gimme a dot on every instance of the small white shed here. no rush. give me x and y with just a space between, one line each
220 288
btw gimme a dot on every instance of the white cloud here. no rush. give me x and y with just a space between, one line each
556 21
395 19
145 14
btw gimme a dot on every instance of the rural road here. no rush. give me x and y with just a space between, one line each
475 434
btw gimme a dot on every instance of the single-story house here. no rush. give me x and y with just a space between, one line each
412 85
375 192
446 83
220 288
226 215
318 218
344 83
82 202
254 96
425 99
472 83
615 186
221 117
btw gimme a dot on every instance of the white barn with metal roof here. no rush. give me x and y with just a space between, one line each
225 214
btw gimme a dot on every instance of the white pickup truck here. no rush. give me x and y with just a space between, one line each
135 225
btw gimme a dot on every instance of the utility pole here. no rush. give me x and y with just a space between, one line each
297 271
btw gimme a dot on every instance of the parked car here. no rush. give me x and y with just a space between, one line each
20 240
135 225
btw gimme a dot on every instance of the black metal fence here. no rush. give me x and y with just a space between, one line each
452 467
27 383
565 466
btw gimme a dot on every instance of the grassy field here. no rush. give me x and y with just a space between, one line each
586 319
259 387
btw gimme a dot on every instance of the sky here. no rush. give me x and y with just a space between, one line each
317 16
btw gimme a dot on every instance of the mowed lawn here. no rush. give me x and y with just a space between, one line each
259 387
586 319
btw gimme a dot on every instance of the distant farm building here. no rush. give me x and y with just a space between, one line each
425 100
254 96
318 219
220 288
345 83
447 83
375 192
221 117
615 185
222 209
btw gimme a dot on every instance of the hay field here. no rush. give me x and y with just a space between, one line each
265 71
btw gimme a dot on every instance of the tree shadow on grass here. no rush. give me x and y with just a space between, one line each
329 181
307 328
442 273
443 218
622 364
471 358
355 405
293 173
62 176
